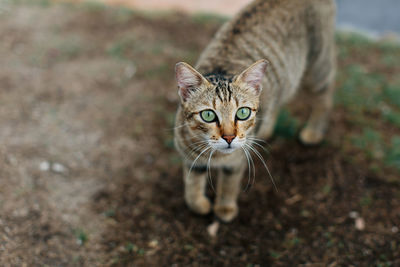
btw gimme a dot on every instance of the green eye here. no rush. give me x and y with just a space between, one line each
243 114
208 115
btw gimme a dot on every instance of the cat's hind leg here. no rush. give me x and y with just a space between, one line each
319 83
321 105
195 184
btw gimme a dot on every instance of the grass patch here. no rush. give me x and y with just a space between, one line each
345 39
274 254
366 200
393 153
43 3
360 90
81 237
391 93
369 92
130 247
371 142
94 6
391 117
286 125
120 48
208 18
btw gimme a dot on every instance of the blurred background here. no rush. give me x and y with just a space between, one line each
373 17
88 171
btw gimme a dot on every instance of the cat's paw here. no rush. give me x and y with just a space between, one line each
226 213
200 205
310 136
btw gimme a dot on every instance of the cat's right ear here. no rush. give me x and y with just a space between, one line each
188 80
253 75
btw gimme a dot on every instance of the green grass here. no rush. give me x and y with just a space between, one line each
369 92
345 39
374 147
274 254
130 247
391 117
286 125
391 93
370 97
119 48
360 89
349 40
207 18
94 6
371 142
81 237
392 157
43 3
366 200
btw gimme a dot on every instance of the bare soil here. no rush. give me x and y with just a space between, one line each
92 89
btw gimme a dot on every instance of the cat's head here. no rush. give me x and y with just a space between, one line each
220 110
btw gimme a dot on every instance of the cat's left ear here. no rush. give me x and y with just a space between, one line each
189 80
253 75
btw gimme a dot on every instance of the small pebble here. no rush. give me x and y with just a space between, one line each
44 166
293 199
360 224
58 168
212 229
153 244
130 71
353 214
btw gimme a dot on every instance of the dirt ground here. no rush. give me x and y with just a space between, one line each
89 175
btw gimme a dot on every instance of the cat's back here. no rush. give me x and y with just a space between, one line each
275 29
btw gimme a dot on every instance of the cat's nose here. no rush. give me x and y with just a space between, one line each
229 138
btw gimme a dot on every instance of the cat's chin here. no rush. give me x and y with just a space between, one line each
227 150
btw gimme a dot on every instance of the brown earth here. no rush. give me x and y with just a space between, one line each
92 90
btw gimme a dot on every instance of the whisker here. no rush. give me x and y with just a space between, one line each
263 162
254 169
196 149
249 167
202 152
191 137
259 140
176 127
197 143
209 172
257 144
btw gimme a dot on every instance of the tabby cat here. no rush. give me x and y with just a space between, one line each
228 104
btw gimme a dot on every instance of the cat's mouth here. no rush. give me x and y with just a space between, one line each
223 147
227 150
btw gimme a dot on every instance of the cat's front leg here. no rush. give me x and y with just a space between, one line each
228 189
195 183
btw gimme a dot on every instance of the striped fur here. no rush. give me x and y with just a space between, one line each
297 39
